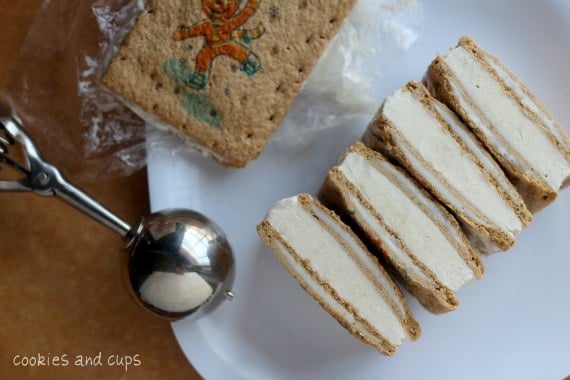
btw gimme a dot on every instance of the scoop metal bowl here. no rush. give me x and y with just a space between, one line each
178 262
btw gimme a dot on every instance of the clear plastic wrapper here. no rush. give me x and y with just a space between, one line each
88 132
54 88
339 88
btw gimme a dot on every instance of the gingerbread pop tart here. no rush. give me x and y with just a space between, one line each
222 73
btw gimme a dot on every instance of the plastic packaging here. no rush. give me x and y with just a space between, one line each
374 34
87 131
54 88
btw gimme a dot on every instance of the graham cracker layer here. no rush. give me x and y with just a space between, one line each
225 79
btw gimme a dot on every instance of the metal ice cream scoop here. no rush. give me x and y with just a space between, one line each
178 263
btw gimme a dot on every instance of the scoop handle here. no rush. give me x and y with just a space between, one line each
81 201
45 179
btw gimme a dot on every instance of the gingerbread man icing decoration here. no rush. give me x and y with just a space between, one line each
222 38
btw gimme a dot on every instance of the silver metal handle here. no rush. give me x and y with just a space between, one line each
46 180
83 202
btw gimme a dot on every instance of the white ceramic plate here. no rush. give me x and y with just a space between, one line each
513 324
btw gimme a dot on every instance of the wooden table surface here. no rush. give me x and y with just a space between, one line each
63 297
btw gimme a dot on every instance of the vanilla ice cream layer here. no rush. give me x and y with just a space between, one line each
437 147
483 243
472 143
313 243
314 287
504 113
418 232
389 241
528 101
371 266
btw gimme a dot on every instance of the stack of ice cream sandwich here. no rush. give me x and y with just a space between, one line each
446 170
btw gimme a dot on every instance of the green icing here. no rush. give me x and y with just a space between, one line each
177 71
198 106
195 103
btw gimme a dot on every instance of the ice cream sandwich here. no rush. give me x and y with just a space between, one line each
337 270
514 126
426 138
417 237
